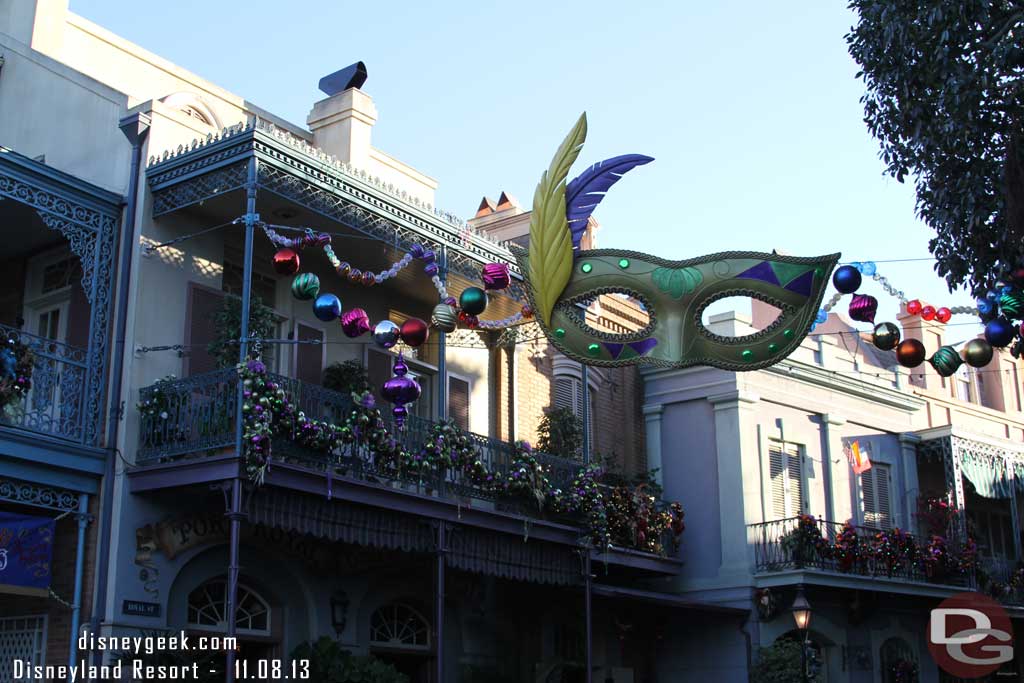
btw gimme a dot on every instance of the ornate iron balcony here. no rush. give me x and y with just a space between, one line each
55 403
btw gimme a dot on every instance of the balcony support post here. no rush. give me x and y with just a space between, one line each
76 601
235 514
442 548
585 416
1014 518
588 584
442 350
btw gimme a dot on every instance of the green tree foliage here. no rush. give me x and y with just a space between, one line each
560 433
347 377
780 663
330 663
228 322
945 98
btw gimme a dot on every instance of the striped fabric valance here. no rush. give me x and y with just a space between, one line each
988 475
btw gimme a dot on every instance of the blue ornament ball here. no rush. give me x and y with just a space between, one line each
821 317
846 279
327 307
1000 332
991 295
984 306
868 268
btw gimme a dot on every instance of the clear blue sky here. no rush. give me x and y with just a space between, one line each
750 109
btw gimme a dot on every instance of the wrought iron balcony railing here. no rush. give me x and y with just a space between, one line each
54 405
195 416
813 544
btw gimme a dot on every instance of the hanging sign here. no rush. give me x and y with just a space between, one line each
26 551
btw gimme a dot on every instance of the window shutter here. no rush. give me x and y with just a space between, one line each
309 358
458 401
204 304
874 486
785 472
565 393
378 371
777 472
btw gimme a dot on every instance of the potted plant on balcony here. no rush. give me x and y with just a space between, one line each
848 550
560 433
895 550
228 323
805 544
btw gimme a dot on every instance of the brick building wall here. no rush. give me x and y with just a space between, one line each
58 626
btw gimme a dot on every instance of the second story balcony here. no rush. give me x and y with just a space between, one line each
185 422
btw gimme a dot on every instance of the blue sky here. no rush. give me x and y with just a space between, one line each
750 109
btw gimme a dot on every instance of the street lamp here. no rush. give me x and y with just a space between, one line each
802 616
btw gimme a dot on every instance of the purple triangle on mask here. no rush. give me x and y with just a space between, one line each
642 347
802 285
614 349
762 271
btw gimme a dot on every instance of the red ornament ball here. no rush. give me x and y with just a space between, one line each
910 353
928 313
415 332
943 315
527 312
914 307
286 261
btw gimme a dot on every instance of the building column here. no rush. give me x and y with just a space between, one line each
908 478
739 477
841 486
76 602
1011 476
652 432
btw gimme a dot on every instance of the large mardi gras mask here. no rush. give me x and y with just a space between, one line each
561 279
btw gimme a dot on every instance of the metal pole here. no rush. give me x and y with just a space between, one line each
439 606
585 410
442 363
803 659
235 515
588 583
76 604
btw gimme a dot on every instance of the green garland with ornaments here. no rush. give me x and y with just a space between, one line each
16 363
613 515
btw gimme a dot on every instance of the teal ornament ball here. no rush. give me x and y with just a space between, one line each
1011 305
885 336
946 361
305 286
978 353
473 300
327 307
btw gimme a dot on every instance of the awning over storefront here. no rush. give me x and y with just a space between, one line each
482 551
987 474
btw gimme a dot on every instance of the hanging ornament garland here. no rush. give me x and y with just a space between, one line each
16 363
998 310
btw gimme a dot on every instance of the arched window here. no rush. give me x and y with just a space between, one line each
899 662
194 106
398 625
208 608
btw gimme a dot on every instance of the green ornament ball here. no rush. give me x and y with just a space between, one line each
473 300
885 336
1011 305
946 361
305 286
978 353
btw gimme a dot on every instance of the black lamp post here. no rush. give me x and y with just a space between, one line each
802 616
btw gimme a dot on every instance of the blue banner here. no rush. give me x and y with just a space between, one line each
26 550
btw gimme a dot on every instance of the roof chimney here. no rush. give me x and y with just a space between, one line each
342 124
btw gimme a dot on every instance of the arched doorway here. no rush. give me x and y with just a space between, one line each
257 631
400 635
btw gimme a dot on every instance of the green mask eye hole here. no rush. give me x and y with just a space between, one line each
623 315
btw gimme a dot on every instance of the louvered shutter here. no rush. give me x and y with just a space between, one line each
777 472
565 393
204 304
309 358
874 486
786 475
378 371
458 401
